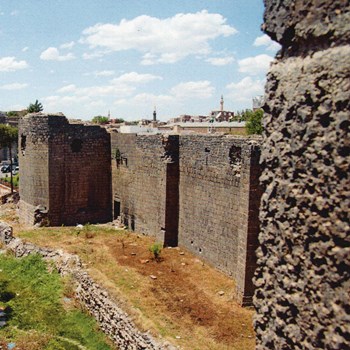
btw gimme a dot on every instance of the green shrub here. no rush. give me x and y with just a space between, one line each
156 249
254 122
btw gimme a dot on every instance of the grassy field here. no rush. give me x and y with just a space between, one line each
177 297
40 311
15 180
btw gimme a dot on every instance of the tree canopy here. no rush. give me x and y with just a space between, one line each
35 107
254 122
8 135
99 119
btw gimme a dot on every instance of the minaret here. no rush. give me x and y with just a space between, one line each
222 103
154 114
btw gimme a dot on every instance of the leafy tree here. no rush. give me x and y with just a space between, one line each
254 122
8 135
99 119
12 114
35 107
243 115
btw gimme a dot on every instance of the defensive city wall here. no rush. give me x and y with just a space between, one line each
303 275
65 171
200 192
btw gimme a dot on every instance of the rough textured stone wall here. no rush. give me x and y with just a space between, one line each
34 161
303 279
65 171
219 199
201 192
112 319
145 183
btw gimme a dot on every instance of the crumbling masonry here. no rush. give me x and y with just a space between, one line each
303 279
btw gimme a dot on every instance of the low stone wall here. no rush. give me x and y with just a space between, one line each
112 319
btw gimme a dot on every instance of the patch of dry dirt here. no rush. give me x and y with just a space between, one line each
179 297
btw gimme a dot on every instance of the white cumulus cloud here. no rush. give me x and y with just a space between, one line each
160 40
255 65
151 99
67 88
53 54
193 89
134 77
220 61
10 64
123 86
104 73
67 45
244 90
265 40
14 86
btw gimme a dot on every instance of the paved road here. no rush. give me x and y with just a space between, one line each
4 175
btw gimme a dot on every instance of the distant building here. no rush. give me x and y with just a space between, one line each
218 121
2 118
138 129
13 121
203 127
221 115
258 102
145 122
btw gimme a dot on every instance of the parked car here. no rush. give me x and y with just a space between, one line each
15 171
6 168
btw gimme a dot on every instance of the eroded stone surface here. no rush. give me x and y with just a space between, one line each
303 278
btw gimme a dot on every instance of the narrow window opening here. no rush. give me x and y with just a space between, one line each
116 208
23 144
118 157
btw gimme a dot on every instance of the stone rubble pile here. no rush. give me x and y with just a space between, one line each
111 318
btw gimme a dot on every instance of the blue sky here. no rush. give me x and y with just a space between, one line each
85 58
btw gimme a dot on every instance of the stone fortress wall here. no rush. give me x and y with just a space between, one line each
200 192
303 279
219 204
66 171
140 188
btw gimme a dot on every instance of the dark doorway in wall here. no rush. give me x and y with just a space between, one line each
132 223
116 208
